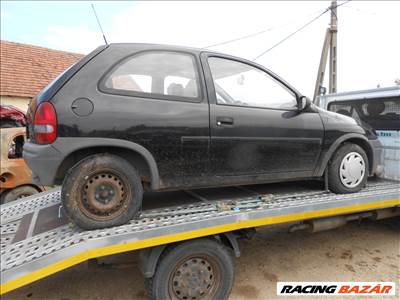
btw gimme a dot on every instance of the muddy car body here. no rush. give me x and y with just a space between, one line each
180 118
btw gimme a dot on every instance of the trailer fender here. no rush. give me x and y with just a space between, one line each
232 242
148 259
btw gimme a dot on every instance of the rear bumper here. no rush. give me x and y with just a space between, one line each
44 161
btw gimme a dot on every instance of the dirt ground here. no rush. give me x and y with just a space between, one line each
369 251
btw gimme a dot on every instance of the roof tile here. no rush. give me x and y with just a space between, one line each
26 69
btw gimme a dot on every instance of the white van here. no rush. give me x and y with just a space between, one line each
380 108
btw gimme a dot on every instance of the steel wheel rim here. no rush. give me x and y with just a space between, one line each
104 195
196 277
352 170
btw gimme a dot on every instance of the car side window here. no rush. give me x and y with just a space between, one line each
240 84
158 72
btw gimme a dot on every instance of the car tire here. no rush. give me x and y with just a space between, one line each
209 262
101 191
18 193
348 169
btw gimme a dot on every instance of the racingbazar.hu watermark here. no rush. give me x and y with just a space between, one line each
336 288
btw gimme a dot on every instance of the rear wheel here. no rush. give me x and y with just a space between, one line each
101 191
18 193
348 170
197 269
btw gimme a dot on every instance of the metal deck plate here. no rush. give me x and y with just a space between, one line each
35 234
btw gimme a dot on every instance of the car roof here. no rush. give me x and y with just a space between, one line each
150 46
384 92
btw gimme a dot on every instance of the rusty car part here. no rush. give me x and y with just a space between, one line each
14 171
11 116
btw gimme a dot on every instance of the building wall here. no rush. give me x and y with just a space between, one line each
19 102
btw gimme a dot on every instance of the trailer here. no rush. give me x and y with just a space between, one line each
186 250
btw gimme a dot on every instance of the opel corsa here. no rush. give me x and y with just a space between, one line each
129 118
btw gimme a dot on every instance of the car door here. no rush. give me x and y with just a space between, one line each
163 107
255 125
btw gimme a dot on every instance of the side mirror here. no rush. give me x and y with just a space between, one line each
304 103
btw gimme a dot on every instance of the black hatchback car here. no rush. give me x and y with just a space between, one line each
135 117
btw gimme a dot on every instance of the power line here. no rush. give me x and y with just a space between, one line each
290 35
339 6
239 38
343 3
253 34
301 28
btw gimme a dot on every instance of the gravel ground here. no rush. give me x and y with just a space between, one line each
369 251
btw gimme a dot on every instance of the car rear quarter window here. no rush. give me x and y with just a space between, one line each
157 74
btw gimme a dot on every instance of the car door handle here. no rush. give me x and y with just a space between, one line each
221 121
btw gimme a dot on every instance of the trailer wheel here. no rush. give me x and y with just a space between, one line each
196 269
102 191
348 170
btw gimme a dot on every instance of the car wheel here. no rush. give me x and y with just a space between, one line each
196 269
18 193
348 170
102 191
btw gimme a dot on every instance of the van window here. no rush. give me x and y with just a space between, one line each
157 72
380 114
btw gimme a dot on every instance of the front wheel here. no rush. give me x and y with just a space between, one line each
102 190
348 170
196 269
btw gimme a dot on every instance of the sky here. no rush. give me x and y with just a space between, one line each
368 43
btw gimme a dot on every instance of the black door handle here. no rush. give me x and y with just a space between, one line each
224 121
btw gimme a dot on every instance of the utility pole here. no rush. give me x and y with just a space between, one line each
333 49
330 45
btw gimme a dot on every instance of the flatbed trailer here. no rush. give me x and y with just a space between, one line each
37 240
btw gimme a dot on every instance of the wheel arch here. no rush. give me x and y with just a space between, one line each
136 154
354 138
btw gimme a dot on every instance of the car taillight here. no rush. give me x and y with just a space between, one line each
45 123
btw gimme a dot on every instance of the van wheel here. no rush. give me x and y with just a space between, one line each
348 170
102 190
18 193
196 269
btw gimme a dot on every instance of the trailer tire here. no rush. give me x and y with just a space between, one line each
185 263
18 193
101 191
352 179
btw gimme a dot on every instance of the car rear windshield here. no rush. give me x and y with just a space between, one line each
380 113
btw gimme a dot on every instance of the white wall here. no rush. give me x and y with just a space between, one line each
19 102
